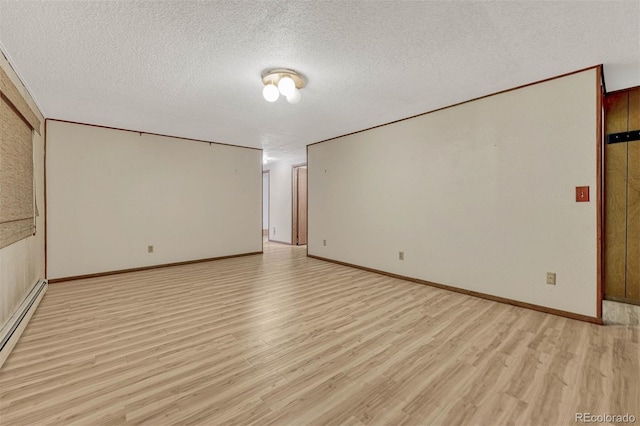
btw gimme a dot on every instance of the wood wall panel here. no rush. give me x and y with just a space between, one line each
633 223
616 112
634 109
622 198
633 201
615 197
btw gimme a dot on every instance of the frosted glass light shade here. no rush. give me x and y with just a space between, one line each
287 86
270 93
295 97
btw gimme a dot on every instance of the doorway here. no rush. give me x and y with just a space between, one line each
299 198
265 203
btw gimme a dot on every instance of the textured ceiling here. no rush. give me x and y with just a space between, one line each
192 69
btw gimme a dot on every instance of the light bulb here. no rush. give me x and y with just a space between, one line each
270 93
295 97
287 86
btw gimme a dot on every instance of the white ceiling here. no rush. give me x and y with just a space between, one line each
192 69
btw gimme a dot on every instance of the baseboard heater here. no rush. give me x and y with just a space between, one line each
12 330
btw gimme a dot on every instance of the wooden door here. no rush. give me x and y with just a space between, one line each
622 199
302 205
633 202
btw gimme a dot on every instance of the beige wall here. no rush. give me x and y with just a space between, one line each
22 263
480 196
111 193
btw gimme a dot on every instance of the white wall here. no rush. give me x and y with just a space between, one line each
22 263
111 193
280 196
265 201
480 196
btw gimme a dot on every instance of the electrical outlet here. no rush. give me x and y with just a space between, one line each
551 278
274 231
324 242
149 249
400 255
582 194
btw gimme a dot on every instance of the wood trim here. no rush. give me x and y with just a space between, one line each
599 193
526 305
45 196
151 133
15 99
622 300
460 103
146 268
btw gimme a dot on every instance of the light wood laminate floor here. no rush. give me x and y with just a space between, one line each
283 339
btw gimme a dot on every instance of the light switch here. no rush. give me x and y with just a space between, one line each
582 194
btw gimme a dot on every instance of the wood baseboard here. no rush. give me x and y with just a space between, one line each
145 268
539 308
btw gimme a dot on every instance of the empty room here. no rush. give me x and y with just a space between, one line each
319 212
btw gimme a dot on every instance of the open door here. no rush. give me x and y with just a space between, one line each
299 229
265 203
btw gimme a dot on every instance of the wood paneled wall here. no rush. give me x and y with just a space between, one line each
22 263
622 198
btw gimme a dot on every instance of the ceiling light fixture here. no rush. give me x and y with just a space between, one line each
283 82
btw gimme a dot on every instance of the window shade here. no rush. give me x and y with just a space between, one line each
17 207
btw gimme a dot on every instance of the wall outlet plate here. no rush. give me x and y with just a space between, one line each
400 255
551 278
582 194
324 242
149 249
